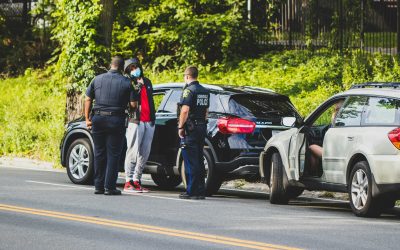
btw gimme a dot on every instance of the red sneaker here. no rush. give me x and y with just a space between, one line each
131 188
138 185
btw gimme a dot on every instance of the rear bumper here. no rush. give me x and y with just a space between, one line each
385 168
241 166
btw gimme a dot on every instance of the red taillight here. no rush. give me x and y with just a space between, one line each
230 125
394 137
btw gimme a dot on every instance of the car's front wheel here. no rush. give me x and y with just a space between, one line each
278 193
362 202
80 161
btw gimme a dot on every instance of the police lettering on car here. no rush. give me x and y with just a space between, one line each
192 129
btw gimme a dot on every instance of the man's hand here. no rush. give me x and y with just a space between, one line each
181 133
89 124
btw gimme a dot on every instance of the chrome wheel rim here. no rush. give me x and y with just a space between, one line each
79 161
206 168
359 189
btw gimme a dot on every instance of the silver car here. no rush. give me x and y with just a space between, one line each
350 143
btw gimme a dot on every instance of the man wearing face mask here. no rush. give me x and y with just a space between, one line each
140 128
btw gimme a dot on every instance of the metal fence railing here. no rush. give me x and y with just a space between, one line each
366 25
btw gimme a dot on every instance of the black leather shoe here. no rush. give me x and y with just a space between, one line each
184 196
99 191
112 192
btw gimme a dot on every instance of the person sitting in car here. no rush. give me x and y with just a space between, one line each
315 149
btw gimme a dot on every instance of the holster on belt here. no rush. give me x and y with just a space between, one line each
189 125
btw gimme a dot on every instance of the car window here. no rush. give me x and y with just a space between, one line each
328 116
216 104
174 98
158 98
382 111
350 114
261 106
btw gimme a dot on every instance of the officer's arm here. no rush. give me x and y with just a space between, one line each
206 115
183 116
88 106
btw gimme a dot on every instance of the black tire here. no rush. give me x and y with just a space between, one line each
165 181
213 177
369 206
294 192
278 194
88 169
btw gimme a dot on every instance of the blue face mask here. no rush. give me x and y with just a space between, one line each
136 73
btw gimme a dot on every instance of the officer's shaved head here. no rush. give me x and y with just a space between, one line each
117 62
192 72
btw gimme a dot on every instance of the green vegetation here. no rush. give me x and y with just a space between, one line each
307 78
31 116
32 106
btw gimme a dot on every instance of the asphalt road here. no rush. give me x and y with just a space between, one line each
44 210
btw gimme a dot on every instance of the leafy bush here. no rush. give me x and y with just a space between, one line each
168 33
31 116
76 31
307 78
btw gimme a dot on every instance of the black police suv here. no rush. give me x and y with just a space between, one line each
240 122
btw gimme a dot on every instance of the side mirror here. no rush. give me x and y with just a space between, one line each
288 121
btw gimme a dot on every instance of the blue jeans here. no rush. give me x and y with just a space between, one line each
108 137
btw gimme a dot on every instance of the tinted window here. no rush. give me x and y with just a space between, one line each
260 106
216 104
350 115
158 99
382 111
174 98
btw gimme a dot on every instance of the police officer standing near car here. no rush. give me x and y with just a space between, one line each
192 129
112 93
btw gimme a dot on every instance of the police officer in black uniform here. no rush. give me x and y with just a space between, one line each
112 93
192 129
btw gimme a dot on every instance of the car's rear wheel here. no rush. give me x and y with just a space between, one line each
80 161
213 179
277 189
362 202
166 181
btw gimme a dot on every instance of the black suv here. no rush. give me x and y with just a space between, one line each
240 122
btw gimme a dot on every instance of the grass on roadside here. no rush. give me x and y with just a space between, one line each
31 116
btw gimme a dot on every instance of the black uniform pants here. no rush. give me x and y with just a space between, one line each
108 137
193 159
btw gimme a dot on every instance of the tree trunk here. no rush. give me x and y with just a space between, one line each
106 21
75 105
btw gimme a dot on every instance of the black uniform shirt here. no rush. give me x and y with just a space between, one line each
111 92
197 98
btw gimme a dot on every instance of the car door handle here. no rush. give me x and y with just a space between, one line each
350 138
